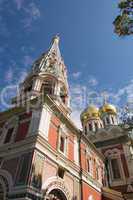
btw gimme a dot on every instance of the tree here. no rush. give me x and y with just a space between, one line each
123 24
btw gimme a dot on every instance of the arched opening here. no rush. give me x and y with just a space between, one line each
63 94
107 120
56 194
48 87
90 127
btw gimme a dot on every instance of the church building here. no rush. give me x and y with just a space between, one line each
44 156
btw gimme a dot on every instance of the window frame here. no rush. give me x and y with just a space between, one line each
63 134
115 154
11 123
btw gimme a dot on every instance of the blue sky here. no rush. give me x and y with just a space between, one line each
97 59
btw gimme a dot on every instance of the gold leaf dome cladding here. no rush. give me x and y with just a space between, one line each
108 108
90 112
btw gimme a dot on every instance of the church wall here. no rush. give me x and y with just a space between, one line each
83 156
53 136
89 193
45 169
71 148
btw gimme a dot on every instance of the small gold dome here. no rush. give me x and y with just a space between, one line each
108 108
90 112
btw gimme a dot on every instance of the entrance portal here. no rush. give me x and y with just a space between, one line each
56 194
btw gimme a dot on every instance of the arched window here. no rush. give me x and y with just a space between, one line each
96 126
9 130
48 87
85 130
115 168
88 165
104 122
107 119
63 94
28 88
90 127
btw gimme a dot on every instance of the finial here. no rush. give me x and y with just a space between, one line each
56 38
105 97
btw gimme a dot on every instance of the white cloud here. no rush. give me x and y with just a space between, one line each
9 75
76 75
22 75
126 91
32 14
27 60
93 81
81 96
75 117
19 3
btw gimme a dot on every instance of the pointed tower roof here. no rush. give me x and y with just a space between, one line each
51 62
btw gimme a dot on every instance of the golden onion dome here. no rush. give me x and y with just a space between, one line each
108 108
90 112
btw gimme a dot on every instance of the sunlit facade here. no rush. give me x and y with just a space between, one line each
44 156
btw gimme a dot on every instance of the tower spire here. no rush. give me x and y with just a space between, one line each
48 75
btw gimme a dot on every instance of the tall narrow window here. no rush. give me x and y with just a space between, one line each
61 172
85 130
63 95
62 144
96 127
89 164
115 168
48 87
107 119
8 135
90 127
23 169
112 120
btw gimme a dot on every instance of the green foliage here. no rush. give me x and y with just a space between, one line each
123 24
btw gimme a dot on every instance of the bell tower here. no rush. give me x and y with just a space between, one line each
47 77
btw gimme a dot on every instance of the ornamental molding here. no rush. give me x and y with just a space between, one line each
56 183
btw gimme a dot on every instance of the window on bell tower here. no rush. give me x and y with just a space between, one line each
48 87
63 95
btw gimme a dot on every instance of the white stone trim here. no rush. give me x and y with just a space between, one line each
76 150
45 121
56 183
63 132
115 154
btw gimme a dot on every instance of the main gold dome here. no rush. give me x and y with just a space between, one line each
90 112
108 108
